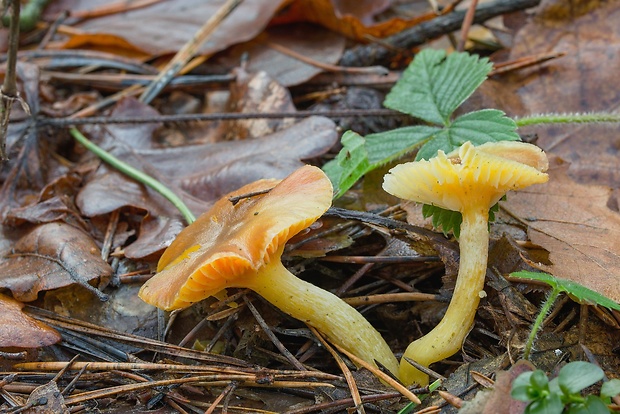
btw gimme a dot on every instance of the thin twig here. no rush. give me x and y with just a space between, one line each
218 116
272 337
188 51
467 21
8 93
355 392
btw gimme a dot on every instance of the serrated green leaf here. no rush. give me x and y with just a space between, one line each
387 146
350 164
577 375
478 127
446 220
434 85
450 221
581 293
483 126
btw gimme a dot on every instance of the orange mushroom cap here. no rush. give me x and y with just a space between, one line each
229 240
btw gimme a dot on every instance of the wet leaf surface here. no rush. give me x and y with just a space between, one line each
18 330
51 256
573 222
310 41
186 17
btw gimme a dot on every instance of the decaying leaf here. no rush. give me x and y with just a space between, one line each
321 45
588 34
47 399
51 256
18 330
185 17
200 174
256 92
572 221
352 19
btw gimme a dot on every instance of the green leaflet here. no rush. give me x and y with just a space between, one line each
431 89
581 293
434 85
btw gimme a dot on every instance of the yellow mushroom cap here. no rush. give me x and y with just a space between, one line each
470 176
227 241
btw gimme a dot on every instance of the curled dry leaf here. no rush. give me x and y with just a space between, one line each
51 256
18 330
573 222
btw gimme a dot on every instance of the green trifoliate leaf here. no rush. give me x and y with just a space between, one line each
434 85
581 293
350 164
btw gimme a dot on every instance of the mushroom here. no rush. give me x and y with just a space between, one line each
469 180
241 246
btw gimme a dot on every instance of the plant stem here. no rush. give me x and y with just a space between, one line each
544 311
135 174
574 118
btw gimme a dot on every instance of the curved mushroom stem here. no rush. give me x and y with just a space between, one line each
447 337
326 312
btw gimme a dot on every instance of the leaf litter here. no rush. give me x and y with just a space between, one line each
54 227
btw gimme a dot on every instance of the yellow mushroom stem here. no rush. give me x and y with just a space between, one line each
341 323
447 337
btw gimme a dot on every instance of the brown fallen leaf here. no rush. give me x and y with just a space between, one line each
352 19
51 256
199 174
316 43
46 399
149 29
588 33
256 92
572 221
18 330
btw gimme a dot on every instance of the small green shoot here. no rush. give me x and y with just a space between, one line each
563 393
135 174
411 406
579 292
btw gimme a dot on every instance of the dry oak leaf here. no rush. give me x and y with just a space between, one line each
18 330
354 22
572 222
51 256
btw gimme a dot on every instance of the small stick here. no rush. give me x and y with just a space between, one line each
8 93
187 51
382 375
467 21
355 392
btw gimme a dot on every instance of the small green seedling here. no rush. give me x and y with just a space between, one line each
411 406
579 292
563 393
